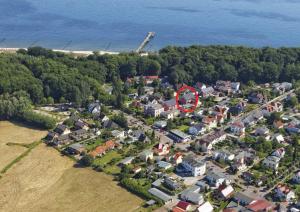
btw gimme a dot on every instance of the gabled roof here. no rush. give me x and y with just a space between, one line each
183 205
260 205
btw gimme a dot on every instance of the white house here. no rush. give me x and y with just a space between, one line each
196 167
154 110
146 155
118 134
271 162
238 128
206 207
216 179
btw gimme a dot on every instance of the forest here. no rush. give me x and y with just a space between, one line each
48 77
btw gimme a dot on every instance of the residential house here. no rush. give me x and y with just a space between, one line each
139 135
127 161
81 125
243 199
94 108
160 195
136 169
271 162
263 132
62 129
192 195
170 114
284 193
75 149
179 136
227 86
171 183
296 178
210 122
199 87
162 149
146 155
278 124
185 206
164 165
248 177
272 107
260 205
223 155
177 158
50 137
62 140
109 124
257 98
194 166
150 79
102 149
197 129
280 88
216 179
238 109
206 143
224 192
293 128
79 135
206 207
118 134
278 138
279 153
160 124
169 104
148 90
153 110
206 92
238 128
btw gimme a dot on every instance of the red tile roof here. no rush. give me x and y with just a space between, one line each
176 209
260 205
183 205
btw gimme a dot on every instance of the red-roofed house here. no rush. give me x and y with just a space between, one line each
210 122
260 205
278 124
176 209
162 149
101 150
177 158
184 205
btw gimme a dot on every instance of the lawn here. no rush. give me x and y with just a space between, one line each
107 158
183 128
91 145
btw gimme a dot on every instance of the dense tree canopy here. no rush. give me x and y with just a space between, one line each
48 76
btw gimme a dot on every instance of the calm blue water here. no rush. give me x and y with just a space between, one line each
94 24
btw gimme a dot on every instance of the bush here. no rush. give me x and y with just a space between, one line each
38 120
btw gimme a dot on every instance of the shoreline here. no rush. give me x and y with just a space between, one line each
75 52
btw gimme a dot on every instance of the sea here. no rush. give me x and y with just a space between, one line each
121 25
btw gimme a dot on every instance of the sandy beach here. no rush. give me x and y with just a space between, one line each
81 53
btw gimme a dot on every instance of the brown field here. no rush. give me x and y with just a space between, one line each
46 181
15 133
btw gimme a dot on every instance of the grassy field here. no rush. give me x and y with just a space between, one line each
46 181
15 133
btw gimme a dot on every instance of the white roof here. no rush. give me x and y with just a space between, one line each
227 191
206 207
